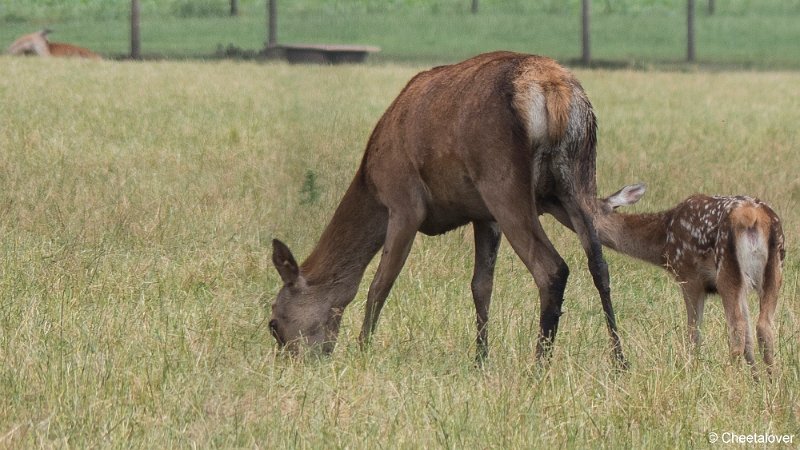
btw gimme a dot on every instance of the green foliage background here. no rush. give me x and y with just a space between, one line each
642 34
21 10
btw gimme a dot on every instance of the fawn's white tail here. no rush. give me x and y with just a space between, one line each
751 228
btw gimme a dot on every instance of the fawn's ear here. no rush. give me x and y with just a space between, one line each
284 262
628 195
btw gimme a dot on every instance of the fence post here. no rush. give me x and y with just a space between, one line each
690 55
272 23
136 42
586 55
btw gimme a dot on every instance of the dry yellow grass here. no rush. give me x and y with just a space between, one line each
138 201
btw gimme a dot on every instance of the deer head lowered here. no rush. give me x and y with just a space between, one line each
496 140
725 245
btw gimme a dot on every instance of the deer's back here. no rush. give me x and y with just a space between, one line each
71 51
704 230
495 115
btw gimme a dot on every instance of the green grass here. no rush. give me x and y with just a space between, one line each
757 36
139 201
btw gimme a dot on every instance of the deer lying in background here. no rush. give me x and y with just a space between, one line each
725 245
37 44
495 140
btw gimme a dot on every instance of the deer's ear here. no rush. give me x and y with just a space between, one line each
626 196
284 262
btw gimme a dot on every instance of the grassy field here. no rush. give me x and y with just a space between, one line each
625 33
139 201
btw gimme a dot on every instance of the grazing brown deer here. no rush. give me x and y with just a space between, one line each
725 245
495 140
37 44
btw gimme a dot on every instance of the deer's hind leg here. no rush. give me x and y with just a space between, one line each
511 206
733 291
583 225
768 303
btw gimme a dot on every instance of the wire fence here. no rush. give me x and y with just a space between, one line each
28 10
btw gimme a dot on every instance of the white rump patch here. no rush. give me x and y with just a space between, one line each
533 106
34 42
752 254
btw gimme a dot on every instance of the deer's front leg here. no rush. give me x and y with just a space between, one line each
694 296
400 232
487 241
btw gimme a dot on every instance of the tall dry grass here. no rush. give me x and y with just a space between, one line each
138 201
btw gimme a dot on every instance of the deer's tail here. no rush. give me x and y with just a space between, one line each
751 228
